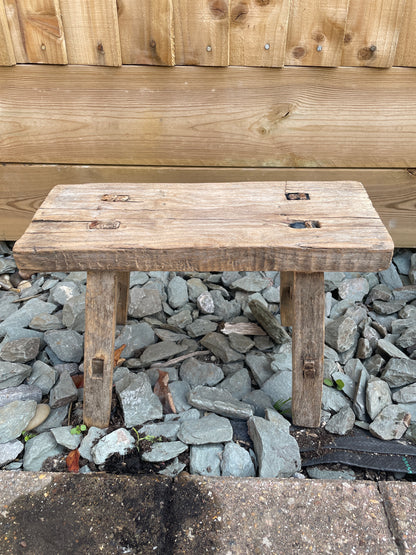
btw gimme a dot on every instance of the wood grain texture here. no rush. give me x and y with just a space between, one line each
258 32
308 117
37 31
7 57
190 227
316 32
91 31
123 285
146 32
24 187
372 32
286 298
308 334
100 325
202 32
406 45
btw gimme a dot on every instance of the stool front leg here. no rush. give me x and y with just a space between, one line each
286 296
100 322
123 288
308 336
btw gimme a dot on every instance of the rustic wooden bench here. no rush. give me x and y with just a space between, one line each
299 228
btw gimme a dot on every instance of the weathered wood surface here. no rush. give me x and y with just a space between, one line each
37 31
91 31
24 187
316 32
372 32
123 285
146 32
308 334
258 32
406 46
100 325
7 55
191 227
286 298
310 117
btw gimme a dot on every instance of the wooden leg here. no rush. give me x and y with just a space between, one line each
123 287
286 294
100 323
308 334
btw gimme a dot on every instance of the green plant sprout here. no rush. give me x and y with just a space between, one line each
27 435
77 430
280 406
148 437
339 384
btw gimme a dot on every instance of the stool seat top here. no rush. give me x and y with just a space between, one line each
287 226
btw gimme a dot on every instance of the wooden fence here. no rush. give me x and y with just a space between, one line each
63 119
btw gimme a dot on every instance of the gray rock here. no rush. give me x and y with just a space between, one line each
325 474
342 422
349 384
10 451
272 295
378 396
135 337
251 283
63 292
196 287
226 310
138 402
180 391
405 394
406 293
412 269
73 313
381 307
208 429
364 349
42 376
64 437
20 350
120 441
260 366
45 322
279 388
272 415
164 451
339 308
93 435
21 392
13 374
190 414
173 469
205 460
14 417
333 400
332 280
277 452
399 372
220 347
371 335
236 461
200 327
144 302
408 311
38 449
380 293
238 384
138 278
196 373
282 360
409 408
181 319
340 334
407 338
7 265
260 401
7 304
390 277
354 289
22 317
391 423
177 292
240 343
391 350
160 351
205 303
153 374
359 403
219 401
168 430
68 345
54 420
64 392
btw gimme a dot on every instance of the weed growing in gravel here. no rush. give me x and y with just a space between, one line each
149 438
77 430
339 384
280 406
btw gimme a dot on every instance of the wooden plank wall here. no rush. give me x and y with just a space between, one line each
350 116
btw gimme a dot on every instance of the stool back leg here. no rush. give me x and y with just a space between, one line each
123 288
286 294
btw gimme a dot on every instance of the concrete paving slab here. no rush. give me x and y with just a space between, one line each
62 514
400 501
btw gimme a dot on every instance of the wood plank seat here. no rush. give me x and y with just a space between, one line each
299 228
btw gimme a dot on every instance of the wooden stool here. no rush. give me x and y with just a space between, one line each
299 228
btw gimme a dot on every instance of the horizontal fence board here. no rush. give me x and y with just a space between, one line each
7 56
188 116
258 32
24 187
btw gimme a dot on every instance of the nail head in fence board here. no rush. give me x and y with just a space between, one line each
7 57
316 32
406 46
392 192
372 32
308 334
91 32
258 32
40 38
204 117
100 323
202 32
146 32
